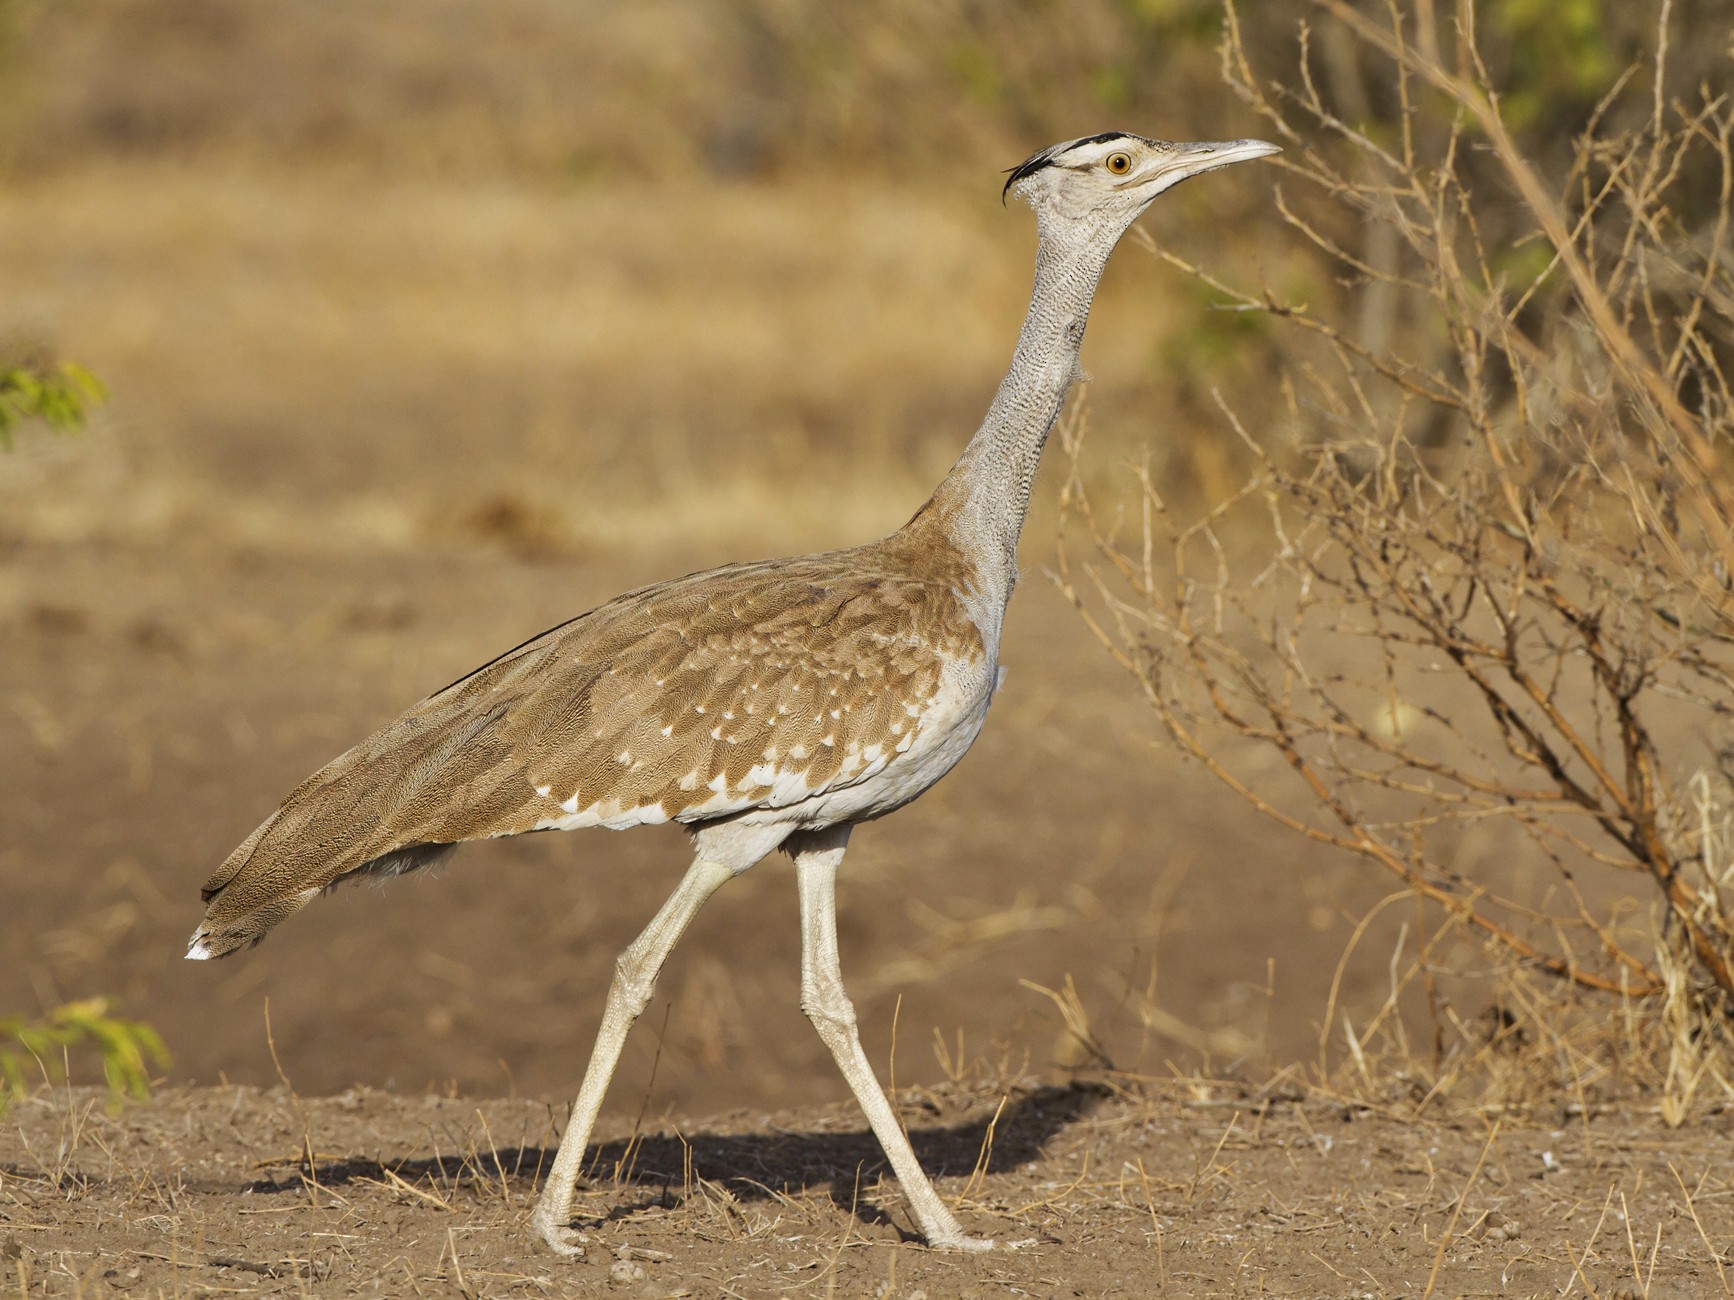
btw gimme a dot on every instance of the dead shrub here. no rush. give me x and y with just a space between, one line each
1475 594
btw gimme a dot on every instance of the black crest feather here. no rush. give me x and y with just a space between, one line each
1036 161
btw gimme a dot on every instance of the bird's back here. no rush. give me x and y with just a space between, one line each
826 688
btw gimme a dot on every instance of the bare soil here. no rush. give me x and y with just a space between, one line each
1201 1191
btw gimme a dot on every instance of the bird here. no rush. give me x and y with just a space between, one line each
762 706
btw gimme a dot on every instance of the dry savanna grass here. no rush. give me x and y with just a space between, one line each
614 343
626 366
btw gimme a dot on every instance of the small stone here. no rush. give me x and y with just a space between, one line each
1496 1227
624 1271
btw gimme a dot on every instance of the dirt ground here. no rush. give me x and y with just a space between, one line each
1195 1191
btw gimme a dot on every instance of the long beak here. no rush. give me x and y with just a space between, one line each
1196 159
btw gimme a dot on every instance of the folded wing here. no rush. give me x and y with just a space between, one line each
755 686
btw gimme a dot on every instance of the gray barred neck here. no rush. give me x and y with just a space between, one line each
983 501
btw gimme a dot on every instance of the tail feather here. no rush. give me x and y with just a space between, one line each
453 768
397 802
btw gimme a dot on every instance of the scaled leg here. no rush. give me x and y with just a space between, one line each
635 972
833 1015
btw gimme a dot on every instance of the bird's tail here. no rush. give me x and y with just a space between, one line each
385 808
234 921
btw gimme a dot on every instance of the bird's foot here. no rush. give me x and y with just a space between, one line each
559 1238
961 1241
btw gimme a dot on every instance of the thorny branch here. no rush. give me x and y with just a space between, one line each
1480 603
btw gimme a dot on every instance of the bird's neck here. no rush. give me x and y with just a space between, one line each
981 504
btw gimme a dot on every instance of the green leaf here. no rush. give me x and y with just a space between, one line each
59 396
128 1049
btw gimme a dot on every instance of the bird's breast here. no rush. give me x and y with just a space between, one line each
948 727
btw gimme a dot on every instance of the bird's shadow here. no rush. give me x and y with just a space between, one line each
749 1166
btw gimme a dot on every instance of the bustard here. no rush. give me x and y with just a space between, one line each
763 706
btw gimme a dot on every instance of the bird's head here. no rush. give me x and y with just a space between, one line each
1098 186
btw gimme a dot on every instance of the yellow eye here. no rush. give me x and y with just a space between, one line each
1119 163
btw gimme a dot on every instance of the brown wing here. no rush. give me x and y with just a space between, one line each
751 686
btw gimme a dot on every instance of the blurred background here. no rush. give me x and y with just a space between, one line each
428 325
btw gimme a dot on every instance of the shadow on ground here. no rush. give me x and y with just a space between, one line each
752 1165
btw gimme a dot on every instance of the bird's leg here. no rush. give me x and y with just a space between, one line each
635 972
833 1015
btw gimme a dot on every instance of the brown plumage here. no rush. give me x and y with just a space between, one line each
752 687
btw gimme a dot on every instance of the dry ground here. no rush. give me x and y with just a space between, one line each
1192 1191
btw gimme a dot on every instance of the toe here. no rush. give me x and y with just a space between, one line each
962 1242
561 1239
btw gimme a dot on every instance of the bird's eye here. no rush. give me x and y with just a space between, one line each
1119 163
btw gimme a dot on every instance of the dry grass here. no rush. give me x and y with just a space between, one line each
742 88
683 363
